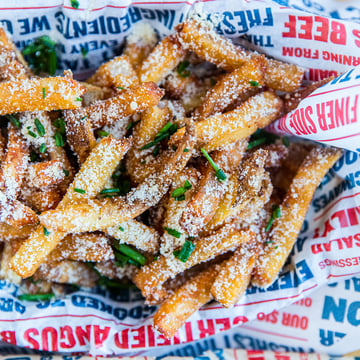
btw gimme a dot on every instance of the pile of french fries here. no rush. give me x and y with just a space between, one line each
155 170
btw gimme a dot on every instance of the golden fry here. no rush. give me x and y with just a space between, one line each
164 58
189 298
293 210
156 273
89 181
205 201
36 94
235 274
45 174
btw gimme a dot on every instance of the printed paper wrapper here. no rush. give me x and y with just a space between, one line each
327 250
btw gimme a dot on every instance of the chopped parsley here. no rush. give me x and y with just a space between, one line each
184 253
42 148
59 140
39 127
80 191
285 141
36 297
276 213
182 69
163 133
102 133
131 253
179 193
219 173
74 4
173 232
14 120
41 56
131 124
46 231
31 133
254 83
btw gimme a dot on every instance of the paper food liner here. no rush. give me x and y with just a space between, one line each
102 323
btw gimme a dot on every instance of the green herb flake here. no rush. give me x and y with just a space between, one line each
109 191
36 297
219 173
182 69
59 140
276 213
163 133
13 120
179 193
184 253
78 99
186 150
255 143
42 148
102 133
84 52
33 156
254 83
131 253
43 93
131 124
31 133
285 141
46 231
121 228
60 125
39 127
80 191
66 172
41 55
74 4
121 88
173 232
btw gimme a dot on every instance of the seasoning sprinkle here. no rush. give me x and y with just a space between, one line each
184 253
173 232
219 173
39 127
13 120
80 191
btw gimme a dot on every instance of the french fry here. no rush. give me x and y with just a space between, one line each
95 215
292 100
235 274
80 135
212 47
175 207
243 212
89 181
5 271
187 299
40 200
165 57
156 273
13 167
231 86
83 247
139 43
117 72
94 93
8 232
67 271
223 129
152 120
124 104
45 174
137 234
205 201
293 210
39 94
